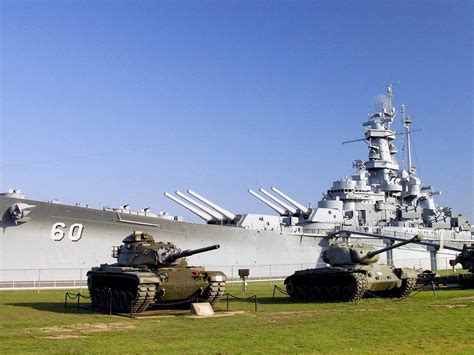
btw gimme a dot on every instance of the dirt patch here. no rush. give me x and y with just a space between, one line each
60 337
303 313
448 305
75 331
464 298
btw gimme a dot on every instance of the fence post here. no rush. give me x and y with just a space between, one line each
39 280
232 278
80 279
270 275
110 300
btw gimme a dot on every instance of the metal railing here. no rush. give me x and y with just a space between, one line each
76 277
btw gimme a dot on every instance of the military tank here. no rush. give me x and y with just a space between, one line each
353 273
149 273
466 259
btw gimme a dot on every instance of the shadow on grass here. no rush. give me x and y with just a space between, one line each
288 300
54 307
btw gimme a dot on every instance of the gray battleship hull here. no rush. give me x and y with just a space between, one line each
31 247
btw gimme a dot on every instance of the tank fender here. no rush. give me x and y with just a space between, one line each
148 278
406 273
216 276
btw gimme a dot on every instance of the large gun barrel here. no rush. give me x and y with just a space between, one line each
189 252
415 239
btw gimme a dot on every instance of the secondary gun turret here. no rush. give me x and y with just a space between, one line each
349 254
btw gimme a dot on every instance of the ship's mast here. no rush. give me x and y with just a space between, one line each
406 123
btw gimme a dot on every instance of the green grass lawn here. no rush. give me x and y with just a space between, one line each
38 322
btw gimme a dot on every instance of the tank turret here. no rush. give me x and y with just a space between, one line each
150 273
346 254
353 273
466 259
141 249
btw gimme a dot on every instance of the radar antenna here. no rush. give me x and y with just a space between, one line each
384 110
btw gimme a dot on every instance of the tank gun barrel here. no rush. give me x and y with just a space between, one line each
189 252
412 240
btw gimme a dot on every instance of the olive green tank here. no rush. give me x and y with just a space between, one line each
353 273
149 273
466 259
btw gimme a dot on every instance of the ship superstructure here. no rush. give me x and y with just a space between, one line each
380 202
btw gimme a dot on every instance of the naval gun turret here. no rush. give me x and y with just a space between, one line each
352 274
149 273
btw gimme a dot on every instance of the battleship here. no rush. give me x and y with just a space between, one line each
382 202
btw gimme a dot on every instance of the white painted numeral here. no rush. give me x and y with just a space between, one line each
58 231
75 232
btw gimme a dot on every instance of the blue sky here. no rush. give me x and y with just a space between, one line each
112 102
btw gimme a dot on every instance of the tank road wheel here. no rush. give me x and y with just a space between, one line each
335 293
346 294
95 297
325 293
215 291
360 285
317 294
130 300
123 301
104 297
290 289
299 292
405 289
116 300
307 295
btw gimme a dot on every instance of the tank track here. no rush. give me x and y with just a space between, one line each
405 289
126 294
145 297
337 287
215 291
